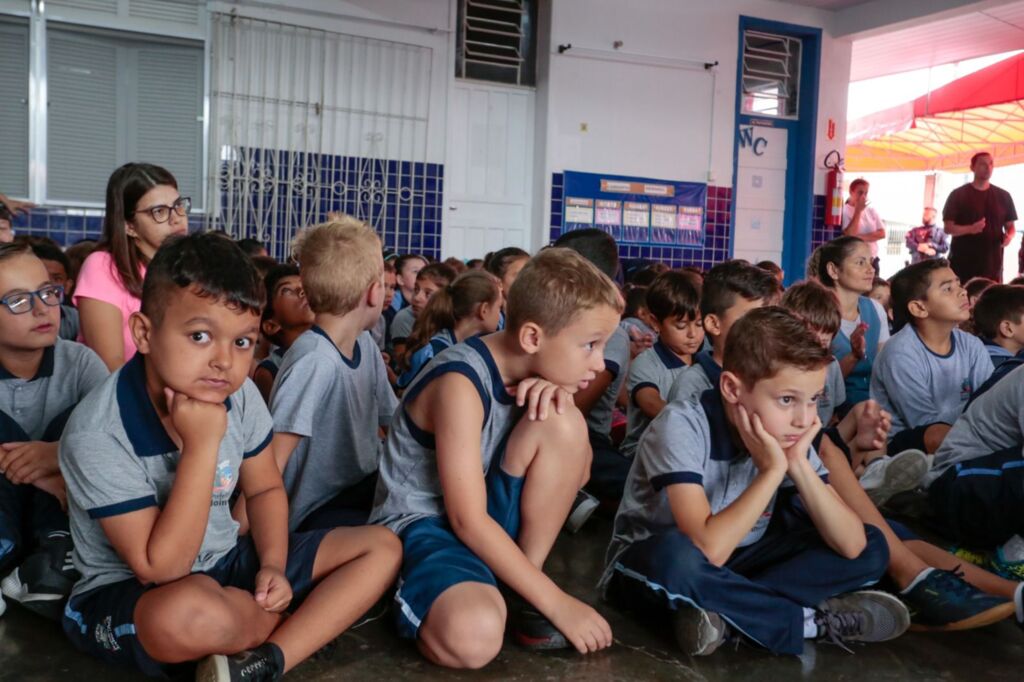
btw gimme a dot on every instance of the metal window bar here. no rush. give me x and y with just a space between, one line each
307 122
484 26
771 72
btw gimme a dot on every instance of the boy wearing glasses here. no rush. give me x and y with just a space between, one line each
41 379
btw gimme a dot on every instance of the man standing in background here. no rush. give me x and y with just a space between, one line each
980 218
928 240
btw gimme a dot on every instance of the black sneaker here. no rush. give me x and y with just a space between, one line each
534 632
44 579
698 632
943 600
256 665
865 616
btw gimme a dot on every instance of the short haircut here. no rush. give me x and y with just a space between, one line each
389 265
252 247
911 284
270 282
733 278
814 304
674 294
857 183
555 287
475 263
835 252
597 246
766 340
770 266
647 274
498 262
77 253
455 264
208 264
401 261
974 159
879 282
46 251
440 274
977 285
999 302
636 299
339 261
12 249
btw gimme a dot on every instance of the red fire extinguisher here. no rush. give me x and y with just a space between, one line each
834 189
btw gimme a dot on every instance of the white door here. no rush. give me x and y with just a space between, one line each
488 174
760 193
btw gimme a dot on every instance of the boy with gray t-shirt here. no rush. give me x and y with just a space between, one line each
728 523
925 375
42 378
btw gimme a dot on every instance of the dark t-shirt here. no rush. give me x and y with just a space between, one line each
979 255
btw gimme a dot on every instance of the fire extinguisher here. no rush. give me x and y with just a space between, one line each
834 189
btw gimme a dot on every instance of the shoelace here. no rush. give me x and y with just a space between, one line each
838 625
952 581
257 668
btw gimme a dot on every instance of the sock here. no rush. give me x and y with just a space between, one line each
1018 602
810 627
920 576
1013 550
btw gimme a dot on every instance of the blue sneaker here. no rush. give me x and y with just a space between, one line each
943 600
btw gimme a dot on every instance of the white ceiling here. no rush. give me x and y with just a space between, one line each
828 4
974 34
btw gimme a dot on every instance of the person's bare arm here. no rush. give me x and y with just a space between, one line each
267 509
586 398
854 225
649 401
102 327
264 381
1009 231
160 545
283 446
954 230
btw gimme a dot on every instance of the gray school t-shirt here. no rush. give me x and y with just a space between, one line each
409 487
616 361
38 408
705 373
919 387
657 367
834 393
993 422
688 442
401 326
117 458
336 404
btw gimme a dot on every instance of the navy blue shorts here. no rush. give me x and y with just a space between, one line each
101 622
435 559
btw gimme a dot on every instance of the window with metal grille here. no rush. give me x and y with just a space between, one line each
14 47
497 41
771 74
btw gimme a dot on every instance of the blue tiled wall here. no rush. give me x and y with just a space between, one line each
402 200
717 232
820 232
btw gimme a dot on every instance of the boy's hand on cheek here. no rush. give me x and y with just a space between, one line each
198 423
538 395
797 452
26 462
763 447
273 591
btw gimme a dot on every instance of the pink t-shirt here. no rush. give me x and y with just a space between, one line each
98 279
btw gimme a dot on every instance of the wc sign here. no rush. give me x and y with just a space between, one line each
756 144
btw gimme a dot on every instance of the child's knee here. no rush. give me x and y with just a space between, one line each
875 555
469 636
189 620
386 546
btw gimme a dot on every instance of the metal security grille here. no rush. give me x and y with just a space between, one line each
771 74
305 122
495 41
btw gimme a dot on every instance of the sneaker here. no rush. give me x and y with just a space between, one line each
698 632
533 631
44 579
1011 570
256 665
864 616
943 600
887 476
1018 604
582 509
982 559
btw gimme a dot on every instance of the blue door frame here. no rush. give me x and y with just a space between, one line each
802 138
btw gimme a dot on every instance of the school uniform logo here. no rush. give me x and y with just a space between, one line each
224 477
104 634
966 390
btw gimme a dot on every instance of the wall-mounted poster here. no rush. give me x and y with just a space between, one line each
636 210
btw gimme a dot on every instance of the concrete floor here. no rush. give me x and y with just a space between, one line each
32 649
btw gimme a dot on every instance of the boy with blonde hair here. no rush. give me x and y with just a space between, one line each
478 494
332 393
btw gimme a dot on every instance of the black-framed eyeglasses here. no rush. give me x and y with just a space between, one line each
22 302
161 214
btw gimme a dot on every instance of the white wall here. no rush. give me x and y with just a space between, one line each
657 121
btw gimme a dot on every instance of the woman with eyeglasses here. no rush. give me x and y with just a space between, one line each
143 208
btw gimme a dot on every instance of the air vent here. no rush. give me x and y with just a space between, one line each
496 40
178 11
104 6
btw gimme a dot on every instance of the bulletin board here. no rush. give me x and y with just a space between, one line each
636 210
